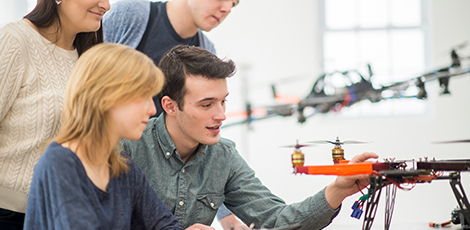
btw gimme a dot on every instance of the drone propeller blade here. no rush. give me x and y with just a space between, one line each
356 142
338 142
450 142
295 146
322 142
461 46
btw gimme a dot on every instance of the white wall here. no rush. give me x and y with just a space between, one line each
12 9
277 40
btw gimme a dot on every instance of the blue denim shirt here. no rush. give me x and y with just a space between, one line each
217 174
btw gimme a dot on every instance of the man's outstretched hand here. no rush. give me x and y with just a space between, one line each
200 227
231 222
345 186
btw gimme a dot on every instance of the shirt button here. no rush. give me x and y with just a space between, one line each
181 203
183 171
212 204
168 153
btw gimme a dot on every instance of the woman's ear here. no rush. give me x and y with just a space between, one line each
169 105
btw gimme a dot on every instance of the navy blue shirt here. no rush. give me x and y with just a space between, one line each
159 37
63 197
145 26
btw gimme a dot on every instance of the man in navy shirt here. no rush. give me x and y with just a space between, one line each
156 27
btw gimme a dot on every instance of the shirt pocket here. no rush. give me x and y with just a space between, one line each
207 206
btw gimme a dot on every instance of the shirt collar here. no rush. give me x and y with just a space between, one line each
166 143
163 137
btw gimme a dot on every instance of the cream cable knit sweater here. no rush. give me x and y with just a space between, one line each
33 77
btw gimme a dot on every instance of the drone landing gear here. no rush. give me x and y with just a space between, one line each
462 215
376 185
390 194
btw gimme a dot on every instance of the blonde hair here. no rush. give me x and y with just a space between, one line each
105 76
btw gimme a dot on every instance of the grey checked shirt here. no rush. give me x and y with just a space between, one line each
217 175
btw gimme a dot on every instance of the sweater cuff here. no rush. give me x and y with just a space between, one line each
223 212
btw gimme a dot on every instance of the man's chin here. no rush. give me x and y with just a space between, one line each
212 141
208 28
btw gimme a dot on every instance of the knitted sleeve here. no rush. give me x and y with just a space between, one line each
11 72
126 21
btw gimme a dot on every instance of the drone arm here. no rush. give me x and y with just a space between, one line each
345 169
337 169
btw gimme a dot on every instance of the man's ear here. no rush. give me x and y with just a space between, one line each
169 105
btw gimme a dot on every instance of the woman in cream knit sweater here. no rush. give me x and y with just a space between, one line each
37 54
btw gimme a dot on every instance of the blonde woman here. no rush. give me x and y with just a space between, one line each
37 54
82 180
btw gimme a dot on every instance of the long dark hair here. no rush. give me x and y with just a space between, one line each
45 14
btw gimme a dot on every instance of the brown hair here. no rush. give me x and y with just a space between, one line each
184 60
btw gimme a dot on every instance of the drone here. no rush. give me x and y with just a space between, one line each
391 174
325 97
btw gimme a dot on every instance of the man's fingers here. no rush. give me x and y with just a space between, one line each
198 226
363 157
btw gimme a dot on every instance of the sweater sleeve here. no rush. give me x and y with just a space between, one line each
12 71
126 21
149 211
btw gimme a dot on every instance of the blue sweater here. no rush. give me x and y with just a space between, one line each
63 197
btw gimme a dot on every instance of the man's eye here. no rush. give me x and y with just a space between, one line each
206 105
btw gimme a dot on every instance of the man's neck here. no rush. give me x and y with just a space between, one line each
180 18
189 156
186 148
